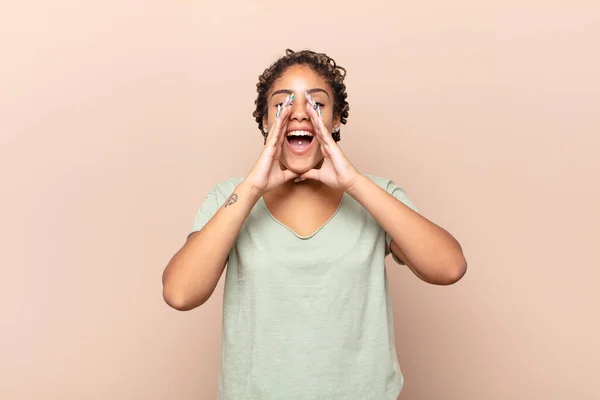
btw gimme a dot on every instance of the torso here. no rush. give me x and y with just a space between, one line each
303 209
306 311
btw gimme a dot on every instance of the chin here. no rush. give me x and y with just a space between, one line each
300 165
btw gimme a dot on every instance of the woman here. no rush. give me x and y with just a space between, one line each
306 311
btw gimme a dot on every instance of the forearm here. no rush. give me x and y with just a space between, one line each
194 271
429 250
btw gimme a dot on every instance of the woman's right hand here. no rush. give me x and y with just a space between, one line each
267 173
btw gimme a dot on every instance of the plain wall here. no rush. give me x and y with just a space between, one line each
117 117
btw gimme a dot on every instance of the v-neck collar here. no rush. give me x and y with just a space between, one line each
264 203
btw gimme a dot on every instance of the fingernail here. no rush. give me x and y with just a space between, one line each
307 95
287 100
292 98
298 179
319 111
278 111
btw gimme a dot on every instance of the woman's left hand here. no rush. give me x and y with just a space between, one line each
336 170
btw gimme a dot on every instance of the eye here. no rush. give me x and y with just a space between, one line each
320 104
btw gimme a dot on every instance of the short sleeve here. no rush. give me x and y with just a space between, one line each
392 188
207 210
213 201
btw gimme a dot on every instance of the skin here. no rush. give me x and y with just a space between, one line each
302 192
302 206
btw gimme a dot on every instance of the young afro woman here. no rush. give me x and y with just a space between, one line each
306 308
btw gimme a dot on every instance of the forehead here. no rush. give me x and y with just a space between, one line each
300 78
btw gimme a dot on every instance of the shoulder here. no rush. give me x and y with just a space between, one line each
223 189
226 187
213 201
379 180
385 183
392 188
228 184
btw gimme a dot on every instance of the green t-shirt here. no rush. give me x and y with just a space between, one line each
307 317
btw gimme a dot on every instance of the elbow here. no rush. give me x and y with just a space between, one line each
179 301
178 295
455 266
454 272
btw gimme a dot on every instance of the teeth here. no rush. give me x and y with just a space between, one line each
299 133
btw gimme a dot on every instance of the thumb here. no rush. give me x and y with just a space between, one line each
287 175
311 174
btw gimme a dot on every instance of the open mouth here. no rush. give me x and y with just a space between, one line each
299 141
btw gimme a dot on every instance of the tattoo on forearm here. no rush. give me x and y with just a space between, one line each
232 199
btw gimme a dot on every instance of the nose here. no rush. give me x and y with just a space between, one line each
299 109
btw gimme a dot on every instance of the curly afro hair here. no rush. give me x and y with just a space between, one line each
321 63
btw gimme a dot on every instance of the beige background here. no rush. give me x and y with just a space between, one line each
118 116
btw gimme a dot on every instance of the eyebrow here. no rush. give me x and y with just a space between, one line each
310 91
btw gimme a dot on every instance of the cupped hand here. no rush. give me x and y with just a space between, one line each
336 170
267 173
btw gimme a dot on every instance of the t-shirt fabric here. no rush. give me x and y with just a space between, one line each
307 317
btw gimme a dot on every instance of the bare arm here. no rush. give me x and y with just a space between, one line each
192 274
427 249
194 271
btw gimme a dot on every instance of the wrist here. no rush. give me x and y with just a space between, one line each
358 186
249 190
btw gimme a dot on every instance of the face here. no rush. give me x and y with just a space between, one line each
301 151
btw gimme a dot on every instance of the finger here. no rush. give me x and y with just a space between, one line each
283 119
329 148
284 114
288 175
322 135
311 174
281 122
314 112
273 135
320 139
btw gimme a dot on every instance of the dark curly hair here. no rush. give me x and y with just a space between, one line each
321 63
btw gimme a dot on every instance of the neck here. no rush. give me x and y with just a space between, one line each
305 189
306 186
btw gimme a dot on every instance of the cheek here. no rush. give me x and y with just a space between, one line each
270 117
328 120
